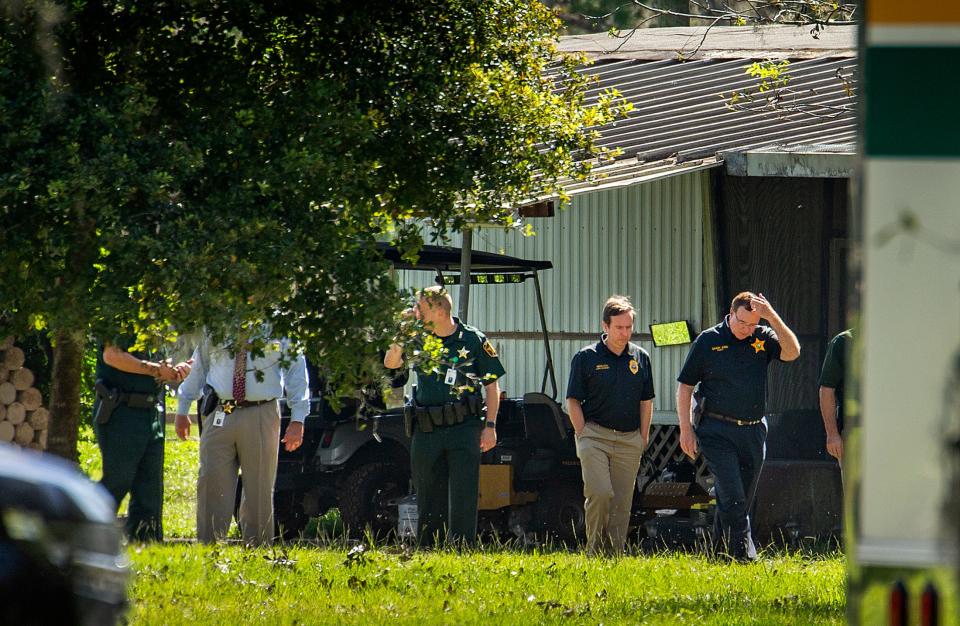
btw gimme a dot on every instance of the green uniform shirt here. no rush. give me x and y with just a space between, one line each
470 354
125 381
834 370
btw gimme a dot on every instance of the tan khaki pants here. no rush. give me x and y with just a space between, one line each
248 440
610 461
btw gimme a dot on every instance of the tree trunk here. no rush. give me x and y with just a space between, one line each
65 395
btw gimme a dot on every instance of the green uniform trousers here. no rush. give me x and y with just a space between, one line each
131 445
445 464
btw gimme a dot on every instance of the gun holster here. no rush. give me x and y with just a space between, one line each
208 402
107 401
698 410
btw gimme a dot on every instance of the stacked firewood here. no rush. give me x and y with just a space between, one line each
23 418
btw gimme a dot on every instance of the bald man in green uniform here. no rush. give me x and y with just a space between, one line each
451 427
129 427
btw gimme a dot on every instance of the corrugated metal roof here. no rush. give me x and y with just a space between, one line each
682 116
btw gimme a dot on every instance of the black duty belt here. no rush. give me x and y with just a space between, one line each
616 430
733 420
138 400
426 418
109 399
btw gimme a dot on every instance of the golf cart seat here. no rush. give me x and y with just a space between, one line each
544 421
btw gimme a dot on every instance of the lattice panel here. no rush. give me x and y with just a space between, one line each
665 447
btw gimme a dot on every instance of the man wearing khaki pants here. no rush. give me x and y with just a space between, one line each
243 430
610 401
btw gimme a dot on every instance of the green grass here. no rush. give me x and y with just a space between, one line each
230 585
325 584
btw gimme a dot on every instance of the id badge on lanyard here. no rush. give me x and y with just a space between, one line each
451 377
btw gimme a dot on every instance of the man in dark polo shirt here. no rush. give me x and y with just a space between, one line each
831 392
610 401
729 362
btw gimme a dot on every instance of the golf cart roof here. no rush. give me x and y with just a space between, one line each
447 259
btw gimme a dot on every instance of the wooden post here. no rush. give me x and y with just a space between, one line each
23 434
16 413
31 398
13 358
22 378
39 419
8 393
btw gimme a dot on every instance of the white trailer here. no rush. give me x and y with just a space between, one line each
901 481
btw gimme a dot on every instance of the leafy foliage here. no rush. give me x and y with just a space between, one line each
169 166
772 92
771 74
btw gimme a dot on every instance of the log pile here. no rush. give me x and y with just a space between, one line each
23 418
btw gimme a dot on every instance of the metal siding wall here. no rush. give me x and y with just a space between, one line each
643 241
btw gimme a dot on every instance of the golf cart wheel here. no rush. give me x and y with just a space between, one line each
289 517
559 513
367 494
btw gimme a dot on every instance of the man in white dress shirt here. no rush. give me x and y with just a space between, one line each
242 431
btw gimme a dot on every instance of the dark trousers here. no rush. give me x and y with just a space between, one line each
131 445
734 455
445 464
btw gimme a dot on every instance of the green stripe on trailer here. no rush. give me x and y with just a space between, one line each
911 98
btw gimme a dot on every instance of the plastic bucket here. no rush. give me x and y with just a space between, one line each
408 518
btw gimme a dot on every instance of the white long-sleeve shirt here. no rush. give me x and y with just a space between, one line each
214 366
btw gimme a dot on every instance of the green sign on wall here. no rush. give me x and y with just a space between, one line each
671 333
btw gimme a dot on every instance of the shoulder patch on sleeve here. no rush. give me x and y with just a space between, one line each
488 348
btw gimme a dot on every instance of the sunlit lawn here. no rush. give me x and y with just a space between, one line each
182 582
233 585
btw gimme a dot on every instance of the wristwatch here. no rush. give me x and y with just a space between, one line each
490 424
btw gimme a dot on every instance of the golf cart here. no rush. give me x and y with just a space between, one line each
361 463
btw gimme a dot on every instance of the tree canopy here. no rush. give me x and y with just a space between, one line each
174 165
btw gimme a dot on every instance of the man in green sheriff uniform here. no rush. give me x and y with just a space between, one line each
129 428
831 392
449 427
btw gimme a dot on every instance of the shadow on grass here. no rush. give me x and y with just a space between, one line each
328 532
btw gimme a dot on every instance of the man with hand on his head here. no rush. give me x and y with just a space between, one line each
729 361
